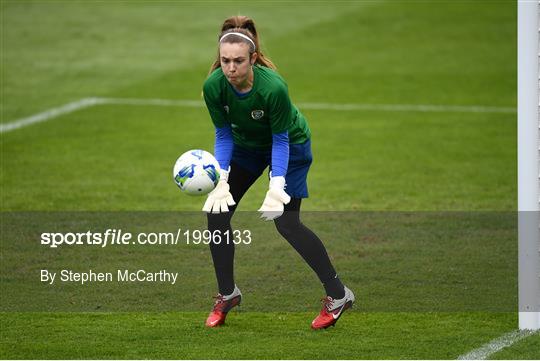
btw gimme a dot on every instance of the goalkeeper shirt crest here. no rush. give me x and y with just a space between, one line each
256 115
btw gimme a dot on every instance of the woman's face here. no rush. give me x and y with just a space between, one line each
236 62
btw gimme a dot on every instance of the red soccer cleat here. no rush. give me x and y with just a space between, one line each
332 310
222 306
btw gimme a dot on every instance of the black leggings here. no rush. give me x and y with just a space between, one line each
303 240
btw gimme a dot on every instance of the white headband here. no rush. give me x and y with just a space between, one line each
240 35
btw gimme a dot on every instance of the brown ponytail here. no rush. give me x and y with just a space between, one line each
246 26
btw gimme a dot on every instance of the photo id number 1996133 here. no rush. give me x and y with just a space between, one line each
217 237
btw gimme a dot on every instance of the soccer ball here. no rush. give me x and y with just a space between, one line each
196 172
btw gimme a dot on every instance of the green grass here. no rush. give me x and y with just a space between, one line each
424 162
526 349
250 336
434 283
456 262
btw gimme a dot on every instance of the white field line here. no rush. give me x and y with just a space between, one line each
87 102
48 114
485 351
155 102
409 108
327 106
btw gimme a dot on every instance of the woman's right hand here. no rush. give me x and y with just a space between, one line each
219 199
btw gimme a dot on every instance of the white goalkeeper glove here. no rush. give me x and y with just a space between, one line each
220 198
276 198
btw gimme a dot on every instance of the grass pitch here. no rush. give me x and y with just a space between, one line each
118 158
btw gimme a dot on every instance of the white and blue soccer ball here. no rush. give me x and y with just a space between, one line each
196 172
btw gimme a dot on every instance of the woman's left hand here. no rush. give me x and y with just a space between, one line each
275 200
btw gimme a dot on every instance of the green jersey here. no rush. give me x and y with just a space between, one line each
254 117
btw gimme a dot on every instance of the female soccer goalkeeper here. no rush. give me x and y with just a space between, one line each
257 126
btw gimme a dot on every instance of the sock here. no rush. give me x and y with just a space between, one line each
310 248
334 288
225 281
227 295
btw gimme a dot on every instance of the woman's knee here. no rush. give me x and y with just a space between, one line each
220 221
288 224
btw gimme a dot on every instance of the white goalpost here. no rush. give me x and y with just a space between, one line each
528 164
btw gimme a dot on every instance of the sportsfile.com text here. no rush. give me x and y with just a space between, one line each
121 238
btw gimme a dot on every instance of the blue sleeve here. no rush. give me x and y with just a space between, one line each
224 146
280 154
